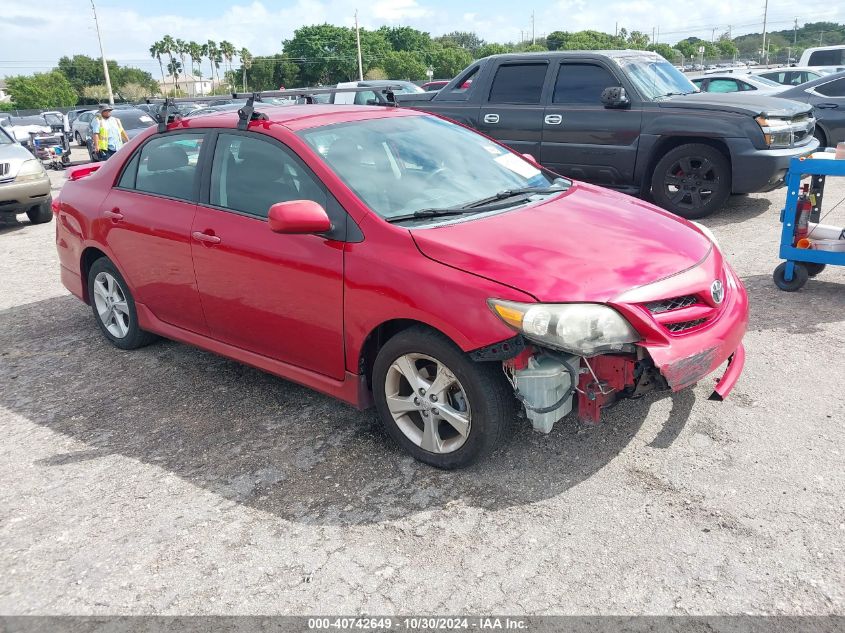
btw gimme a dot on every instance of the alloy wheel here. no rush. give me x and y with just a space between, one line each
691 181
111 304
428 403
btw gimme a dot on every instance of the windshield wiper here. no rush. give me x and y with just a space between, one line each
476 206
510 193
430 213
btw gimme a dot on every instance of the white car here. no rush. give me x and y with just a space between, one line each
19 127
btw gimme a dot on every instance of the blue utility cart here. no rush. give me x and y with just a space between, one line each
803 263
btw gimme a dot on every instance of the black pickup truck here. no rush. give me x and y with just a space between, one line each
628 120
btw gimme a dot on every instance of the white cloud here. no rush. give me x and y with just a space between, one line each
34 36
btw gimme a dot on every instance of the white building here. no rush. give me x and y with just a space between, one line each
191 85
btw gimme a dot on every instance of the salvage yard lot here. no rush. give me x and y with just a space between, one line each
169 480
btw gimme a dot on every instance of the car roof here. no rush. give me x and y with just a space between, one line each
301 117
616 54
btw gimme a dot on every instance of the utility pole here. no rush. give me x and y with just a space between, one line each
533 38
795 34
658 35
103 55
358 42
652 35
616 30
765 19
713 36
821 36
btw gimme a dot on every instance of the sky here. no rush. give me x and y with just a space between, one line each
35 34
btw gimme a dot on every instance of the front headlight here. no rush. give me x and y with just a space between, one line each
780 133
30 170
579 328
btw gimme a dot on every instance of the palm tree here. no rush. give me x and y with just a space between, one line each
195 51
227 49
181 49
155 53
212 53
246 62
168 45
174 68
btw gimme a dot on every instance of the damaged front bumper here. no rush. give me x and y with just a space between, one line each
550 384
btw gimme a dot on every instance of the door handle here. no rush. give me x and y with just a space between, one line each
553 119
205 237
827 106
491 118
114 214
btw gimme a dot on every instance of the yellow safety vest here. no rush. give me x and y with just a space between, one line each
103 145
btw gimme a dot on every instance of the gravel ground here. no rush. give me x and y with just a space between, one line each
171 481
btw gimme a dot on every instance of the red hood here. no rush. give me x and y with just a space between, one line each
588 244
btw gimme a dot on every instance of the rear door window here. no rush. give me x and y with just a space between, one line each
582 83
167 166
834 88
518 83
723 85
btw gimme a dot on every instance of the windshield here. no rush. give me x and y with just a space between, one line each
767 82
134 119
5 139
28 120
655 77
401 165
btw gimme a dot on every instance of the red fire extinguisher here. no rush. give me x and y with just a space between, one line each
802 222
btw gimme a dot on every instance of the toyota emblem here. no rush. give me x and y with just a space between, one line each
717 291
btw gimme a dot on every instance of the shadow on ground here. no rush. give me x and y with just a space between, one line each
737 209
818 303
265 442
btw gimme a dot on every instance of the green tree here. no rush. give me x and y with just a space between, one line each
327 54
42 90
195 52
404 65
375 73
667 52
491 49
466 40
405 38
448 62
156 53
227 50
168 46
637 40
246 64
556 40
269 72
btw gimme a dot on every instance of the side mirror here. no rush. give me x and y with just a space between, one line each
530 158
615 97
298 217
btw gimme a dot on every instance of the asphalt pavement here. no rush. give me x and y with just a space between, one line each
168 480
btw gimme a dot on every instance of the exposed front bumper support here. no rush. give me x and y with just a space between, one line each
726 383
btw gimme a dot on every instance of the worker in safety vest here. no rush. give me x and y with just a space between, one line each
108 133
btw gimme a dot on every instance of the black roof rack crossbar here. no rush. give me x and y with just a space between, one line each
247 113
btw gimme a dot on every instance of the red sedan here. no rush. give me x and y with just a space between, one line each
388 257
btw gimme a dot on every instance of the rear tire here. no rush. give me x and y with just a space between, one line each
820 135
114 307
474 396
692 180
79 140
40 214
813 268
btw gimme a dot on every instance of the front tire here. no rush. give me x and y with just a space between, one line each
40 214
692 180
114 307
444 409
79 140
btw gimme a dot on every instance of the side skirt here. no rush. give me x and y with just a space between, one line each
352 389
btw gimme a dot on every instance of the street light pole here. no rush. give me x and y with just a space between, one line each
103 55
358 42
765 18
